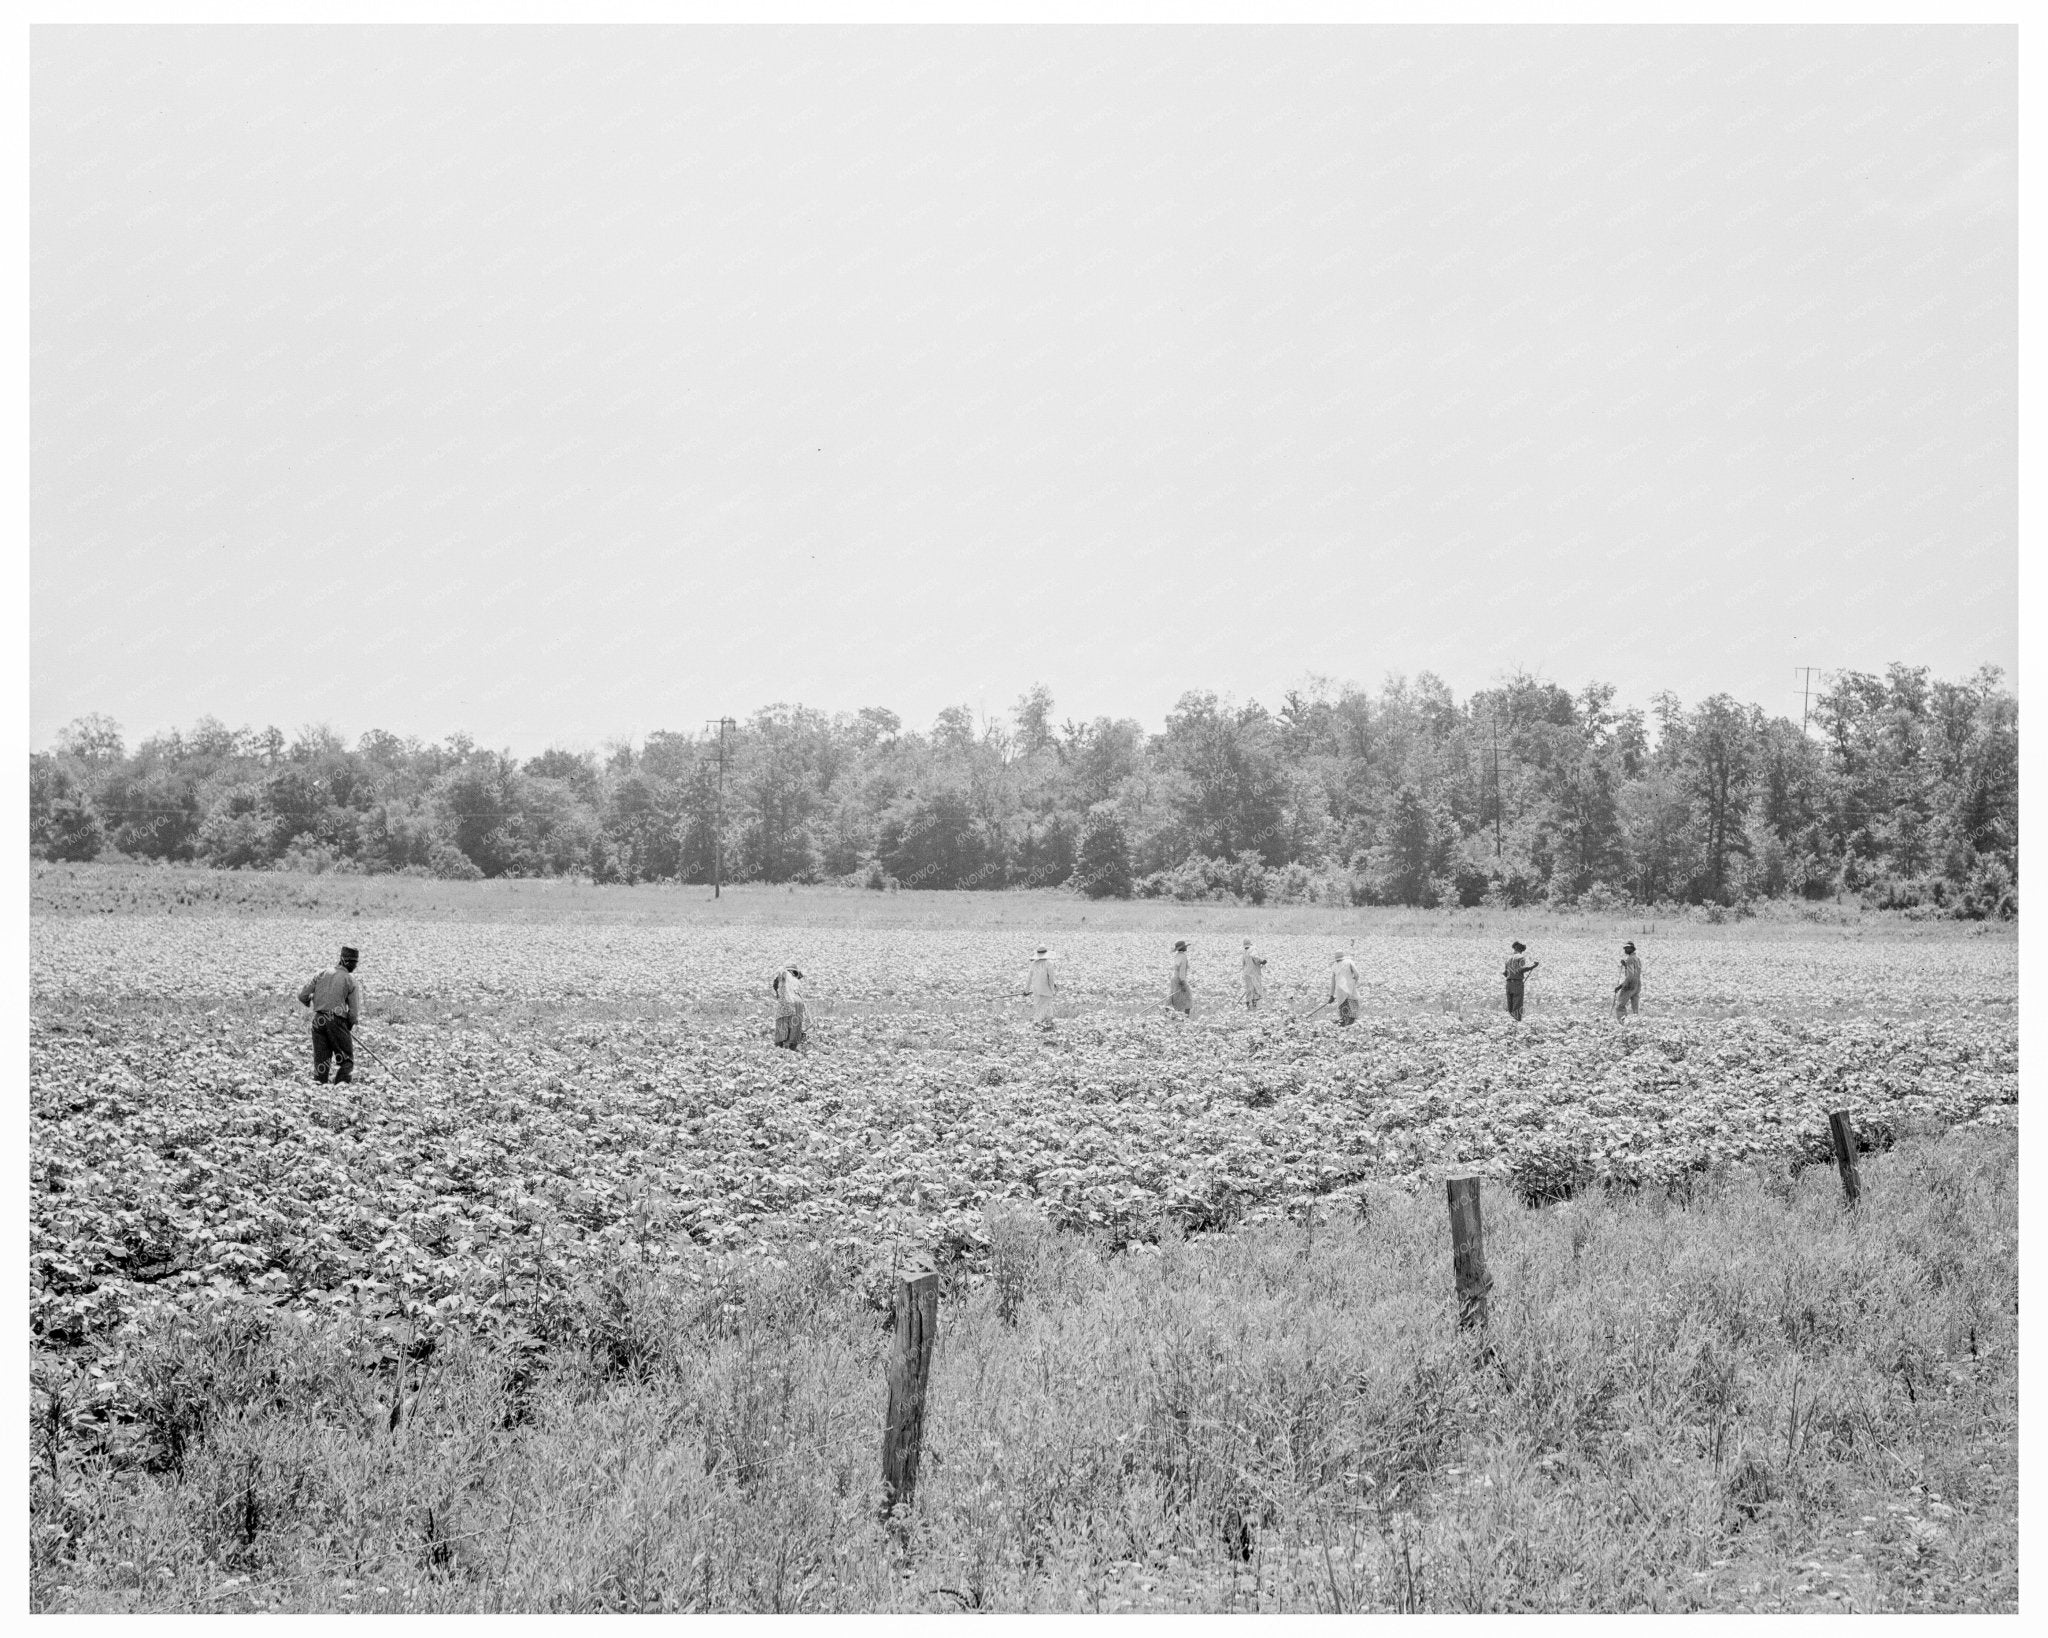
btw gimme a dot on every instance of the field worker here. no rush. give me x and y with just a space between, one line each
1344 988
789 1008
337 1001
1254 977
1514 972
1629 991
1039 985
1179 996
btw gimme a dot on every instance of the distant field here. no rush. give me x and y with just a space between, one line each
954 952
177 890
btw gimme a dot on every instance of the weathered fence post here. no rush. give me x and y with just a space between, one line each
1468 1252
910 1362
1845 1154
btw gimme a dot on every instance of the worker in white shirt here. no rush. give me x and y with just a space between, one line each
1039 985
1344 988
1180 994
1254 977
789 1008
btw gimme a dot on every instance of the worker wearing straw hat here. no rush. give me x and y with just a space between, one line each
1039 986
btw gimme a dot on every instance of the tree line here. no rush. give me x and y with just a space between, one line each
1901 791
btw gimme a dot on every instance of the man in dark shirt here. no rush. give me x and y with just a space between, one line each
336 998
1516 969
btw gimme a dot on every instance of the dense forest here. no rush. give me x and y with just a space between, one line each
1900 791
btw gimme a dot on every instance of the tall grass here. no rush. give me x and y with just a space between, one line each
1752 1398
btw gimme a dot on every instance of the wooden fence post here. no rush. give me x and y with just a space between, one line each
1468 1252
910 1362
1845 1154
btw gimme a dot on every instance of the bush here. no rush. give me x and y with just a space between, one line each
1601 900
451 864
313 858
1194 880
1293 884
1467 884
1991 894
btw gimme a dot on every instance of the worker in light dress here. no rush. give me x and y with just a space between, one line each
1041 988
1254 978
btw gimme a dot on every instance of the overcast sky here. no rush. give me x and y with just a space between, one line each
553 385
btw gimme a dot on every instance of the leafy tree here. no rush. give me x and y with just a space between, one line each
1718 752
1102 861
578 771
72 834
94 740
155 815
1033 716
1657 836
239 830
481 799
933 840
1232 788
62 822
1101 757
1415 852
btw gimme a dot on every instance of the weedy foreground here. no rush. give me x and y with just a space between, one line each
1755 1401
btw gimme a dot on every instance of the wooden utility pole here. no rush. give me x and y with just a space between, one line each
1493 721
1468 1253
1844 1134
910 1364
724 725
1805 693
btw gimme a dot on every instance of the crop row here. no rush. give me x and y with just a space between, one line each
503 1164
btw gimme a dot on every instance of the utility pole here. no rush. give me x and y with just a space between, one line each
1493 722
1805 693
725 726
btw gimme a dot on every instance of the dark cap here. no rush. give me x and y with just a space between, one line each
1630 948
1180 944
1518 945
350 954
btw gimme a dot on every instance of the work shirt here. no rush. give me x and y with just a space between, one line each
1040 981
1631 973
1254 973
1513 971
1180 968
789 989
337 991
1344 982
